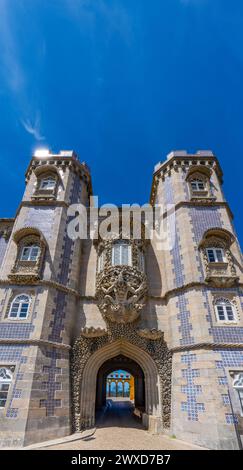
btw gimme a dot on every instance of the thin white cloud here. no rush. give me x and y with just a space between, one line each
14 74
33 128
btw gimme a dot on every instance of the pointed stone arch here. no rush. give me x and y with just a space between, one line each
153 357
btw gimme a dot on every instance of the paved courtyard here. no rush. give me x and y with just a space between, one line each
118 429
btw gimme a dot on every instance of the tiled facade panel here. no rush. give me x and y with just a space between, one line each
200 403
50 407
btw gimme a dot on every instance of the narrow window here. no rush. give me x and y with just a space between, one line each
48 183
19 308
30 253
5 382
121 254
225 310
197 185
101 260
215 255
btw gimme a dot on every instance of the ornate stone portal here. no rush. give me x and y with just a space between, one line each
84 348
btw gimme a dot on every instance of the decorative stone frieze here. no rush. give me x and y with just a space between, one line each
152 334
92 332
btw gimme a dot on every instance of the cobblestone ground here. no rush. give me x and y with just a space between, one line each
118 429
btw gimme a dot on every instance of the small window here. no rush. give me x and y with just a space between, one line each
101 260
141 262
19 308
121 254
215 255
5 382
198 185
225 310
48 183
30 253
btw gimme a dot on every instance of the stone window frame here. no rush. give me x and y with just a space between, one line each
218 238
11 295
202 173
11 368
226 301
234 300
14 301
42 173
27 270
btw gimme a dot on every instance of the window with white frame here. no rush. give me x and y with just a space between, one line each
238 386
30 253
19 307
215 255
121 253
101 260
197 184
5 382
225 310
48 183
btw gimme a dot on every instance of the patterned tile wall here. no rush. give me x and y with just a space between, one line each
191 406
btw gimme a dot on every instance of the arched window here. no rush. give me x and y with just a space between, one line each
19 308
121 253
215 255
197 184
225 310
48 183
5 381
30 253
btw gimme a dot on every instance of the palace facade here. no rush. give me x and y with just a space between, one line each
74 311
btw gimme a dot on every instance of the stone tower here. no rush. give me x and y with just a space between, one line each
71 312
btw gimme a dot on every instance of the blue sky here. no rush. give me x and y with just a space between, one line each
123 82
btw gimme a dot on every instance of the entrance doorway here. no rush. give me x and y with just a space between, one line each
120 392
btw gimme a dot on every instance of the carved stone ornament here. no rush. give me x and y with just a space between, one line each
121 292
91 332
152 334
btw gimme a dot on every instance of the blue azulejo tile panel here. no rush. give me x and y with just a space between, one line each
53 383
58 313
185 326
231 418
192 406
204 218
16 331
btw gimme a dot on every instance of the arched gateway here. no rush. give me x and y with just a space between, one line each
152 358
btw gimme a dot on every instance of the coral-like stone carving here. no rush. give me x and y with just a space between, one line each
121 292
152 334
91 332
83 348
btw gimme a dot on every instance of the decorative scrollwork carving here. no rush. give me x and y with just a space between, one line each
121 292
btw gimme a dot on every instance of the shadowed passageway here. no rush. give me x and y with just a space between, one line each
118 413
